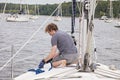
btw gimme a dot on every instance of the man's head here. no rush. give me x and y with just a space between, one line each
51 28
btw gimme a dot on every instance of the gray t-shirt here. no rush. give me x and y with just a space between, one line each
64 43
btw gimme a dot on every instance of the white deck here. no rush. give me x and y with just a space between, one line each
70 73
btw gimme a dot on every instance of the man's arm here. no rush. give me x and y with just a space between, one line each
52 54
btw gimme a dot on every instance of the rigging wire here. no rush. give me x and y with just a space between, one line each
29 38
79 6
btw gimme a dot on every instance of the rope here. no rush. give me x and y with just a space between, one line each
28 39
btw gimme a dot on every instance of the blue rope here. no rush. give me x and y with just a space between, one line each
37 71
40 70
50 67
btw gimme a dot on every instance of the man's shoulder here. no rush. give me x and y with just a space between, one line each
61 32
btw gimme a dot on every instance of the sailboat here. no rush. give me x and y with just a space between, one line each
19 17
59 14
89 68
117 23
109 20
35 16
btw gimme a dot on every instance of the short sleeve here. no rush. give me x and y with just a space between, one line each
54 40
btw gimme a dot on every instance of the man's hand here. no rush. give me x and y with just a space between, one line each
41 65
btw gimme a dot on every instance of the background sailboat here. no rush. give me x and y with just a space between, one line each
21 16
58 14
117 23
110 19
36 12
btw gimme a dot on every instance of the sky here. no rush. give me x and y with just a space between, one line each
35 1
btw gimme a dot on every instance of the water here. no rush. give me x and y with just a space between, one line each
108 43
17 33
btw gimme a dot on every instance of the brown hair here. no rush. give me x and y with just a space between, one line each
51 27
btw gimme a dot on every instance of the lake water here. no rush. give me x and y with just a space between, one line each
107 39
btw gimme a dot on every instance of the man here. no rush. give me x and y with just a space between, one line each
64 43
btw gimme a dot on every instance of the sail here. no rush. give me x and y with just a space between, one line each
86 32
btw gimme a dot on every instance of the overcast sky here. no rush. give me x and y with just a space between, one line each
36 1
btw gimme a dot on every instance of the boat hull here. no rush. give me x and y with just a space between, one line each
102 72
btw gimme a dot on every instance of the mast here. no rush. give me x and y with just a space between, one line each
59 11
5 7
88 10
111 10
73 16
20 5
86 26
73 20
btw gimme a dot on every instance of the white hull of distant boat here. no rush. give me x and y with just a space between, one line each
108 21
104 18
58 18
102 72
17 18
59 14
117 24
34 17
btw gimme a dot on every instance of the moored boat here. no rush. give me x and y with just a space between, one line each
117 24
17 18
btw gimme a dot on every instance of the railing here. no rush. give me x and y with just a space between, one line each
12 52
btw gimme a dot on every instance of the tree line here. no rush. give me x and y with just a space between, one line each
101 9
